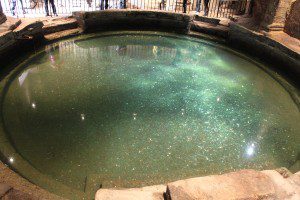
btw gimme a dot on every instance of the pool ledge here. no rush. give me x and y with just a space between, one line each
244 184
133 19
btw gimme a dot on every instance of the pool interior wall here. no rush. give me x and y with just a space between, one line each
174 85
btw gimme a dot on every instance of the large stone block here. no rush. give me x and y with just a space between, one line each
145 193
245 184
133 19
31 29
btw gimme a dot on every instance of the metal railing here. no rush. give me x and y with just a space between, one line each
38 8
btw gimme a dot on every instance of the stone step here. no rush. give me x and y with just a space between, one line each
207 20
146 193
63 34
59 24
211 29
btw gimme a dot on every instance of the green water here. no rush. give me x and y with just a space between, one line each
135 110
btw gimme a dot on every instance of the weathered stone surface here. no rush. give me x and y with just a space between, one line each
245 184
59 24
211 29
4 188
145 193
285 188
207 19
133 19
29 30
271 14
240 185
20 39
292 25
63 34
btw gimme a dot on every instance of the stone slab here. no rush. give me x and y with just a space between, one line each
62 34
244 184
146 193
207 19
59 24
28 30
133 19
295 178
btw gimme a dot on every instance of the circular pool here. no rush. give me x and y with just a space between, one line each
142 108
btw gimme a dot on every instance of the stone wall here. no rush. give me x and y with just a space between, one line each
292 26
133 19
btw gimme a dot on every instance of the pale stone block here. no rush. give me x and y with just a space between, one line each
284 187
145 193
244 184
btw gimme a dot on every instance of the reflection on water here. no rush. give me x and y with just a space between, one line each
137 110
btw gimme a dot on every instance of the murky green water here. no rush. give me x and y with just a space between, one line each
135 110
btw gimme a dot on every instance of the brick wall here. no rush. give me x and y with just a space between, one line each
292 25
